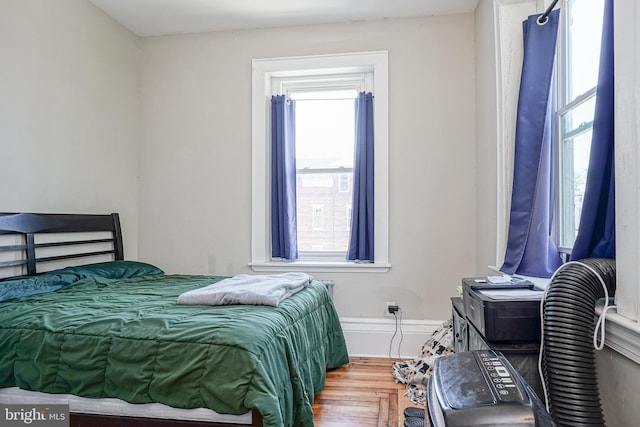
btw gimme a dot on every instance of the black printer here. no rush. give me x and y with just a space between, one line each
503 312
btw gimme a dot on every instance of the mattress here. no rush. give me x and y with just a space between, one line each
126 338
117 407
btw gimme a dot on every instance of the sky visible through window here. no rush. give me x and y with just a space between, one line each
325 129
584 32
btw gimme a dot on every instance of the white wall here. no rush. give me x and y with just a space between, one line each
196 154
69 112
619 387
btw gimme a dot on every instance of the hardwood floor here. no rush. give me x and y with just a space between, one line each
361 394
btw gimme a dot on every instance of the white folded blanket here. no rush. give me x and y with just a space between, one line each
268 289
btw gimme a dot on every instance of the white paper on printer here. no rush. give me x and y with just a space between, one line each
499 279
511 293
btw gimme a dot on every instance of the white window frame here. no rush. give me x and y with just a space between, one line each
264 71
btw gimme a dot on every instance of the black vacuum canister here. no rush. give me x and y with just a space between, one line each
481 388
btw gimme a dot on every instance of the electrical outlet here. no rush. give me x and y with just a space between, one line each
389 312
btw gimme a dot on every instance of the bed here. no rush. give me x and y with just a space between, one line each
109 339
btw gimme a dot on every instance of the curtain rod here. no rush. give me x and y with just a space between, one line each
543 18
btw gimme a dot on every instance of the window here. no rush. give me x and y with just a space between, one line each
317 219
328 82
325 144
577 78
344 182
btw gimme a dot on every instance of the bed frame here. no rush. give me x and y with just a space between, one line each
90 420
26 226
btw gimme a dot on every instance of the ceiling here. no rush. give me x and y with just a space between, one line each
162 17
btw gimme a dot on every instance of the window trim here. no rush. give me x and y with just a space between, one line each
263 71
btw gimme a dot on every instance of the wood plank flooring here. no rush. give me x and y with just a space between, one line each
361 394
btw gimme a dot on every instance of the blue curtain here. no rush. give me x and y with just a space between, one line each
361 238
284 234
596 232
530 250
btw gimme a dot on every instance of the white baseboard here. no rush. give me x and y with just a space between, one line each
372 337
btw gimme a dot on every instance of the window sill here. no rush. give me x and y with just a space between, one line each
621 334
320 266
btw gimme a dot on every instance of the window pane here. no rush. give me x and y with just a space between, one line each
325 133
323 212
575 119
584 33
574 166
580 61
325 139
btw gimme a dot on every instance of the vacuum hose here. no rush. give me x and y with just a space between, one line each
568 349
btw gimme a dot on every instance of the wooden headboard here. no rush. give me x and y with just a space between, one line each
26 226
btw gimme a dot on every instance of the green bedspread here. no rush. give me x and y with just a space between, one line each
128 339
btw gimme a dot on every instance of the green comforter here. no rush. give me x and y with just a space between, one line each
128 339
